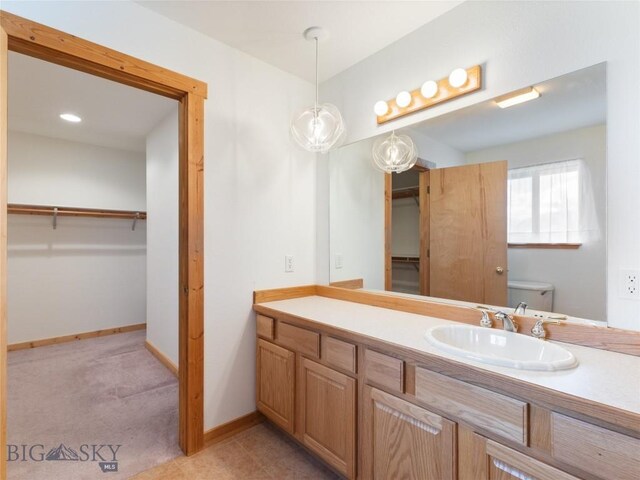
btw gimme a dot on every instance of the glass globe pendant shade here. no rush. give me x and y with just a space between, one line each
394 154
318 129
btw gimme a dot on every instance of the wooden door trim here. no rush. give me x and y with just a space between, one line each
37 40
46 43
423 188
4 53
388 207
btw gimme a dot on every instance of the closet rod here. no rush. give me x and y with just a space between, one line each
73 211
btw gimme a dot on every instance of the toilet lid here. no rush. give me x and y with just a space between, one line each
536 286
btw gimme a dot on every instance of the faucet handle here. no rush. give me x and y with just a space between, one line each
538 330
486 321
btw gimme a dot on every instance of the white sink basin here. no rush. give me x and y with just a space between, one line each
497 347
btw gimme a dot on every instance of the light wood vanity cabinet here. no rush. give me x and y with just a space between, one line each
275 383
312 401
594 449
381 414
403 441
484 459
327 403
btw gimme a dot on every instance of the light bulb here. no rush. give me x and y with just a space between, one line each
458 78
381 108
403 99
429 89
70 117
318 129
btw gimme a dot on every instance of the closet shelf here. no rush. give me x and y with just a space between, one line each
73 211
405 259
405 193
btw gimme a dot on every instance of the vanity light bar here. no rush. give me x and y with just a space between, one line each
519 96
430 93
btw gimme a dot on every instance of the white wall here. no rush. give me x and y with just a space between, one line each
405 227
260 192
88 274
356 215
579 276
520 43
162 236
50 171
441 154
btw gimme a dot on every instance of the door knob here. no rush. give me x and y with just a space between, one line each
499 270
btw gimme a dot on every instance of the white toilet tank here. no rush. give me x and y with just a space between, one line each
537 295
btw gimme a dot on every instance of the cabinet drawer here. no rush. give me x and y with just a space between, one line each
384 370
478 406
299 339
339 354
594 449
264 326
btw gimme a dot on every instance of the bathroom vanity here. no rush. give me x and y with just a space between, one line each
361 388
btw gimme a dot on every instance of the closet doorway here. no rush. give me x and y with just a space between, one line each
25 37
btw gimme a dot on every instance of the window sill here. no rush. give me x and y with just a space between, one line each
559 246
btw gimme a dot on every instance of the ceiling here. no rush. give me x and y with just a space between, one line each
272 31
574 100
113 115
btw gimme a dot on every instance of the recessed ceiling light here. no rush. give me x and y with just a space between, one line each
70 117
519 96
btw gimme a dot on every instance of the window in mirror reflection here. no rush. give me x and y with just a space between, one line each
550 203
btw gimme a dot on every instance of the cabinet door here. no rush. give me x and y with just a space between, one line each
484 459
275 383
328 412
404 441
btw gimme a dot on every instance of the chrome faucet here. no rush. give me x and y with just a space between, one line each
507 321
520 309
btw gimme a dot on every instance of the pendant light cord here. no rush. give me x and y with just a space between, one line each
316 75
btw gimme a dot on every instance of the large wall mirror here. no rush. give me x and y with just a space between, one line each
505 205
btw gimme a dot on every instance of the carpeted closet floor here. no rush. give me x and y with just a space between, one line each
74 403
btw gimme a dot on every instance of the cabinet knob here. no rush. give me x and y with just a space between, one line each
499 270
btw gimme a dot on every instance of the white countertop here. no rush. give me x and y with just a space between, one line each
601 376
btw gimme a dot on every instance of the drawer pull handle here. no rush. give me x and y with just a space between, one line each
511 471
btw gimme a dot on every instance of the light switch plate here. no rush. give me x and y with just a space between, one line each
288 263
338 260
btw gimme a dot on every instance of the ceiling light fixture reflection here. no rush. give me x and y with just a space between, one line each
70 117
394 154
519 96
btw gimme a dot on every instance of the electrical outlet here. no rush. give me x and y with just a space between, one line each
288 263
338 260
630 284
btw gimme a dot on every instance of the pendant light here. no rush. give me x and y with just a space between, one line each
320 127
394 154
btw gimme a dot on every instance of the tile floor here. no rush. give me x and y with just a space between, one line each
260 453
